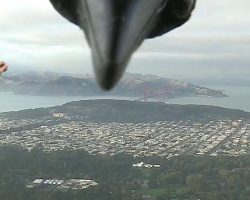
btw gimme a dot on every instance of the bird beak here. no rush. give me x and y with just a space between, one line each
114 30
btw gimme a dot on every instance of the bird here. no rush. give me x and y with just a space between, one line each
115 29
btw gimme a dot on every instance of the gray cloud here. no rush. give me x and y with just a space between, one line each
214 43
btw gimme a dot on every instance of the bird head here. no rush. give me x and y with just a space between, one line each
114 29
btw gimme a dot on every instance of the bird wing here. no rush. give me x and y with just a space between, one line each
67 8
175 14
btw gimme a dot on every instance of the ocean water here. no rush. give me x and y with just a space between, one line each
239 98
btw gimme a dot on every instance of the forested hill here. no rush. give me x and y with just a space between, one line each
206 178
132 111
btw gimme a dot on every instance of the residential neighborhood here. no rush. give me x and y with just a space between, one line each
163 138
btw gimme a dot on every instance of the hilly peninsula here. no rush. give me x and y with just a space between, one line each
132 85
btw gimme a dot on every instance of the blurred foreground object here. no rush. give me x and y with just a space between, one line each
114 29
3 67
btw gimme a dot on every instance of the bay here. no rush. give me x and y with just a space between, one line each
239 98
14 102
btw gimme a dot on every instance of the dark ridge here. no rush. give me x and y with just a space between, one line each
133 111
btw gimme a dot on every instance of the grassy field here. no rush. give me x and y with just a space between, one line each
154 192
159 192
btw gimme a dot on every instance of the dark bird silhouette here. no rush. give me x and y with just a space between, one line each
116 28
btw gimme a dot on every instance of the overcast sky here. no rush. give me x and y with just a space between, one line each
214 43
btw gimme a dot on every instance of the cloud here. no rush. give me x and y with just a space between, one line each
214 43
